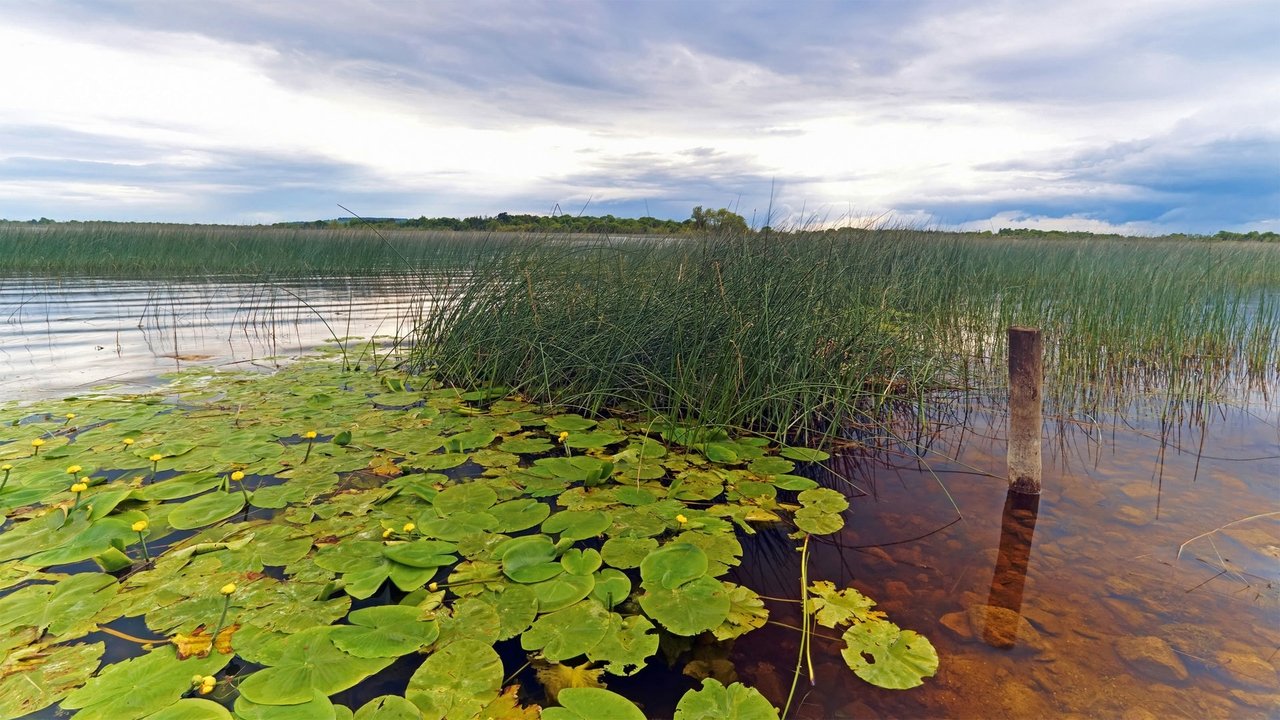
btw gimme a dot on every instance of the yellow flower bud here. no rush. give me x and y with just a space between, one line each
237 476
73 469
681 519
156 457
310 435
408 527
37 442
564 435
139 526
6 467
434 586
227 589
128 441
386 533
71 416
79 487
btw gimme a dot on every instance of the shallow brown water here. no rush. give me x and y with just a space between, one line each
1115 624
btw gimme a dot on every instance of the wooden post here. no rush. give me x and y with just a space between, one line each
1026 375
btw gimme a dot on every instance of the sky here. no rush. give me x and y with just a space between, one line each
1141 116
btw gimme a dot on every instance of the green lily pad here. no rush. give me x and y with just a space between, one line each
568 632
804 454
422 553
689 609
530 559
673 565
576 524
31 685
140 686
626 646
382 632
592 704
623 552
516 607
303 663
887 656
193 709
612 587
388 707
521 514
319 707
457 681
94 540
824 499
717 702
570 423
206 510
562 591
771 466
580 562
466 497
526 446
817 522
795 483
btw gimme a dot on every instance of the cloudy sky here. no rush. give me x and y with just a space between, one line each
1144 115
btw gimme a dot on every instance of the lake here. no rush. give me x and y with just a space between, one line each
1144 582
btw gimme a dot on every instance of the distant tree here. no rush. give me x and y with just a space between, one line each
722 220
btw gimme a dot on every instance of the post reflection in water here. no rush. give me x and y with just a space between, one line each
1017 529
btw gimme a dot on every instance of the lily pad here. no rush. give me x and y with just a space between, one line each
580 562
33 680
626 646
319 707
194 709
457 681
592 704
134 688
563 590
717 702
576 524
388 707
530 559
466 497
384 632
569 632
887 656
303 663
673 565
206 509
689 609
422 553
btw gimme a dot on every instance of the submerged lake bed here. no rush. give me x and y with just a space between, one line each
1142 580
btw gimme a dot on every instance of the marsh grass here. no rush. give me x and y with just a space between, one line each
802 334
159 251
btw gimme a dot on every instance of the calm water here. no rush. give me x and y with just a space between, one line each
1099 614
1114 623
65 336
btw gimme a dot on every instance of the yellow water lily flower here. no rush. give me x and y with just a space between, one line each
237 476
408 527
6 467
227 589
310 435
73 469
157 457
682 519
564 435
37 442
127 441
387 533
140 526
79 487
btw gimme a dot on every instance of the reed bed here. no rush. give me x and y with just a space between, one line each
804 333
160 251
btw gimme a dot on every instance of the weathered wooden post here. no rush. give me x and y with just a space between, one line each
1026 375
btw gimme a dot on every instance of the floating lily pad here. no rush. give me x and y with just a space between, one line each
563 590
887 656
195 709
36 678
134 688
804 454
612 587
689 609
580 562
530 559
568 632
673 565
319 707
457 681
466 497
305 663
626 646
576 524
592 704
384 632
422 553
388 707
206 509
717 702
516 515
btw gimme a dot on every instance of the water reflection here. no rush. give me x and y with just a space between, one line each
1017 529
63 335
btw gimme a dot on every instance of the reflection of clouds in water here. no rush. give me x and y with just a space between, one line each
63 335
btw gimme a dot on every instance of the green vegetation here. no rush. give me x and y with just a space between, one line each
799 335
274 565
